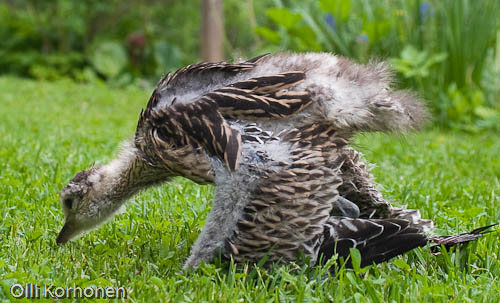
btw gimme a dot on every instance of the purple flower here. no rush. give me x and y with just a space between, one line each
330 20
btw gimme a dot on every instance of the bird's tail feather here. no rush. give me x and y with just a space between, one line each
413 216
454 240
379 240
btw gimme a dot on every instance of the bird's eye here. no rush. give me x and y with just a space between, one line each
68 202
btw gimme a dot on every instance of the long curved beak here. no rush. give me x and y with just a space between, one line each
66 233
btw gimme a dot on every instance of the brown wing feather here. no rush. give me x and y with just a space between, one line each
266 97
199 124
194 70
143 124
186 74
202 123
258 58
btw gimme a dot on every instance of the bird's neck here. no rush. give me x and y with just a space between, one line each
126 175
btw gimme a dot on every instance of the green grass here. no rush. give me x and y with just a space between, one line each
49 131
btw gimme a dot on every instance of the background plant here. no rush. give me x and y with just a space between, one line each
112 40
447 50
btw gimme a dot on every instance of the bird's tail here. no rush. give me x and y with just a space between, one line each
379 240
453 240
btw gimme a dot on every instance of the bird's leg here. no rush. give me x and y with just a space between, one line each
219 226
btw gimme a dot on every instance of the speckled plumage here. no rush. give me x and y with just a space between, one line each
279 200
271 133
280 204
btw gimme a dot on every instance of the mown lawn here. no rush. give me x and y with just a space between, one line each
49 131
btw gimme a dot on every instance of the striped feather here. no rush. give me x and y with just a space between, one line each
199 124
291 203
205 68
264 97
376 240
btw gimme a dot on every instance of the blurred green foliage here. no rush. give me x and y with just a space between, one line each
449 50
113 40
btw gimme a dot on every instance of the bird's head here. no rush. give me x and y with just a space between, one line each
86 203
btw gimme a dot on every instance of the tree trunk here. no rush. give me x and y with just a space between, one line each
212 30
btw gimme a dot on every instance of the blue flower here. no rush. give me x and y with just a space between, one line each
330 20
362 38
425 8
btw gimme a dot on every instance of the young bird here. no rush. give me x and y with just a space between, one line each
227 122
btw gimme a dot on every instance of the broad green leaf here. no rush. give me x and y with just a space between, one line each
157 281
306 34
376 30
284 17
167 56
109 58
436 58
302 32
356 258
402 264
268 34
486 112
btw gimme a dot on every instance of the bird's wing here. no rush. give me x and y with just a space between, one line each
377 240
197 124
266 97
239 92
188 84
202 122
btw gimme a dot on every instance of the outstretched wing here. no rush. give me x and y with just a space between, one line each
267 97
190 83
191 106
